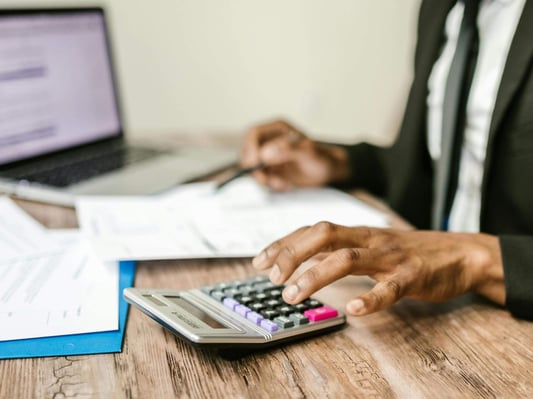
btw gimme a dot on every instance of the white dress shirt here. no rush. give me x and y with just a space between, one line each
497 21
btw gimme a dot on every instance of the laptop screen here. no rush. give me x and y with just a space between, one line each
56 83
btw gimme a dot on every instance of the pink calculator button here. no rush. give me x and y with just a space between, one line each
322 313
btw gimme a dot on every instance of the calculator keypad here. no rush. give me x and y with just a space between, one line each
259 301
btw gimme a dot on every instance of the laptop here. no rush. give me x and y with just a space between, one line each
61 133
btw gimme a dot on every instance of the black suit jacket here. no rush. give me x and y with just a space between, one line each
403 172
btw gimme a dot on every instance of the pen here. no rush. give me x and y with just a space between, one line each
239 173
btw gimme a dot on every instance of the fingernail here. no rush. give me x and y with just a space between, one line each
258 260
357 306
291 292
275 274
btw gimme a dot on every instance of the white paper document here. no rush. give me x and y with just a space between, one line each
19 233
59 290
195 221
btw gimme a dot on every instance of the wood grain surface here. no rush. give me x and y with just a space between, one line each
463 348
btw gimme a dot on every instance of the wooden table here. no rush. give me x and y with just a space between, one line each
463 348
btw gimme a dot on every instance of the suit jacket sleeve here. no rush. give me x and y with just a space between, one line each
517 255
367 169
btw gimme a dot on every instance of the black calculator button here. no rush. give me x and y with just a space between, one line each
272 303
257 306
301 307
270 314
218 295
284 322
298 318
246 300
285 310
275 293
313 303
260 297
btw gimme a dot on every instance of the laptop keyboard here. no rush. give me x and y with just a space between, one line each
70 173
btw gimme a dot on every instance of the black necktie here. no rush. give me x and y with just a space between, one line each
453 114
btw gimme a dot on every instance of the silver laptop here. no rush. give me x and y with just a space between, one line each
61 133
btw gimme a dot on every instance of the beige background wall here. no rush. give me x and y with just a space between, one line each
338 69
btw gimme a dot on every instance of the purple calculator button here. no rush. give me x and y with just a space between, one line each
230 303
268 325
242 310
254 317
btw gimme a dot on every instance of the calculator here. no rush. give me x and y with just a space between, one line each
245 314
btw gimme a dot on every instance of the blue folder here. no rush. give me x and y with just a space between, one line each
78 344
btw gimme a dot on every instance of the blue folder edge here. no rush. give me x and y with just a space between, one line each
78 344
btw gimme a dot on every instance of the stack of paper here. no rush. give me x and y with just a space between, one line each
51 283
196 221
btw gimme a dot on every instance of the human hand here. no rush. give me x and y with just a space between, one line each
424 265
291 159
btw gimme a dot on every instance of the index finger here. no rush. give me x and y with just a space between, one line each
293 249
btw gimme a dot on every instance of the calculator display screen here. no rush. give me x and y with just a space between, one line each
196 312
